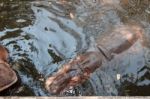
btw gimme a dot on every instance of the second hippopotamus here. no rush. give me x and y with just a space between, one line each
79 69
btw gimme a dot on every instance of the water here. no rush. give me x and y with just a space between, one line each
43 35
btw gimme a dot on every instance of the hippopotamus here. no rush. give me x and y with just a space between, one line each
78 69
7 75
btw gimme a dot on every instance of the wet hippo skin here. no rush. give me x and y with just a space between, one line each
120 39
3 54
79 69
7 76
75 72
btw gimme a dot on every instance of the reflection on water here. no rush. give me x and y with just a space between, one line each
43 35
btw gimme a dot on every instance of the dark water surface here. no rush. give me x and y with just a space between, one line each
43 35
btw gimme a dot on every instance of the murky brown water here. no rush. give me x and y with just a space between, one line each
43 35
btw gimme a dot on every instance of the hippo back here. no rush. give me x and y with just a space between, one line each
119 39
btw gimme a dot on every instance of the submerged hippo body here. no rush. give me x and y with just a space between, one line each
7 75
119 40
79 69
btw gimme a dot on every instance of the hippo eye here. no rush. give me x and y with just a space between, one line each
93 58
72 72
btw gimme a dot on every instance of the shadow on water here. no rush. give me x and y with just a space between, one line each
43 35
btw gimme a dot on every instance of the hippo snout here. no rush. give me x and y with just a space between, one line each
74 72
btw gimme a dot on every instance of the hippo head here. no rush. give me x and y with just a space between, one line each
74 72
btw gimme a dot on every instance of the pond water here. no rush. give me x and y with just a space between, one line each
42 35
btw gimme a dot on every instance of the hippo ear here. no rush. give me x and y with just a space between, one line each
3 53
7 53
